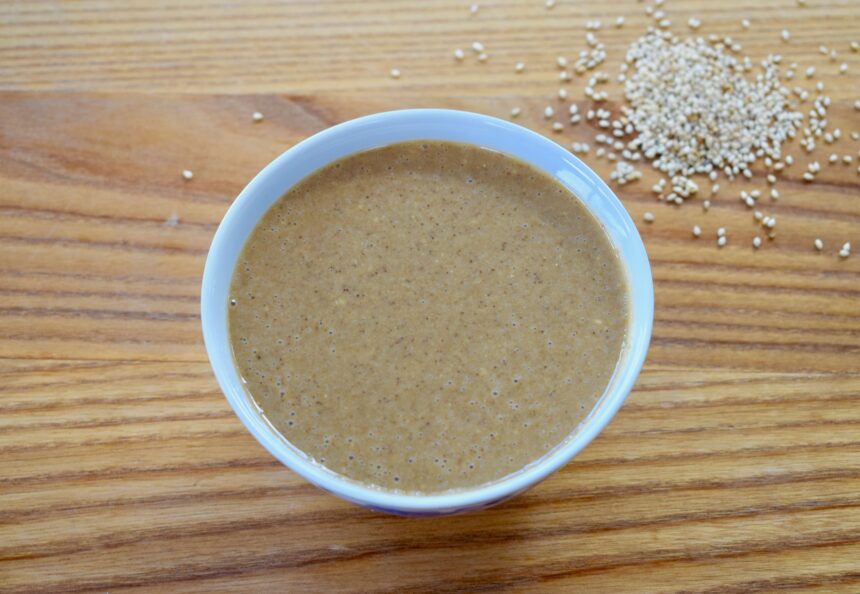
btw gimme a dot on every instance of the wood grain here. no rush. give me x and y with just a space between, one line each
733 467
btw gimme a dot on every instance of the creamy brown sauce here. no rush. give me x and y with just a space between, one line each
427 315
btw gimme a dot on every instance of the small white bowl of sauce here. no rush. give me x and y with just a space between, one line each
381 130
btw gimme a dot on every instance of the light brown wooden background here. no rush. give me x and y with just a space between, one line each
734 466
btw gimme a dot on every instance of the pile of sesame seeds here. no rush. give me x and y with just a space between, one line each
694 111
697 108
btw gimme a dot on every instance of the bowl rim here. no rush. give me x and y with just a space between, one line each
214 306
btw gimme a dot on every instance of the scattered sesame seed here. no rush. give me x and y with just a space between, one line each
774 194
257 116
515 111
694 23
697 231
395 73
459 54
756 242
845 251
833 158
843 68
561 62
721 241
619 22
855 136
473 9
548 112
483 57
855 46
562 94
549 4
648 217
771 178
801 2
187 174
706 205
819 245
847 159
477 47
721 231
785 35
810 72
519 67
557 126
745 23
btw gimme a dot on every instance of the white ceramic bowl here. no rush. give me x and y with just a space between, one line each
379 130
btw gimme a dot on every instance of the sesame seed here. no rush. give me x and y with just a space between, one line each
843 68
619 22
756 242
483 57
721 241
549 4
706 205
745 23
774 194
477 47
562 94
771 178
515 111
519 67
694 23
847 159
459 54
785 35
819 245
648 217
561 62
855 46
810 72
473 9
833 158
557 126
697 231
257 116
721 232
395 73
548 112
187 174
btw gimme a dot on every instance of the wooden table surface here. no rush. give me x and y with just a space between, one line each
733 467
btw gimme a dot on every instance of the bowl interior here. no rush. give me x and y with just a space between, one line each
383 129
